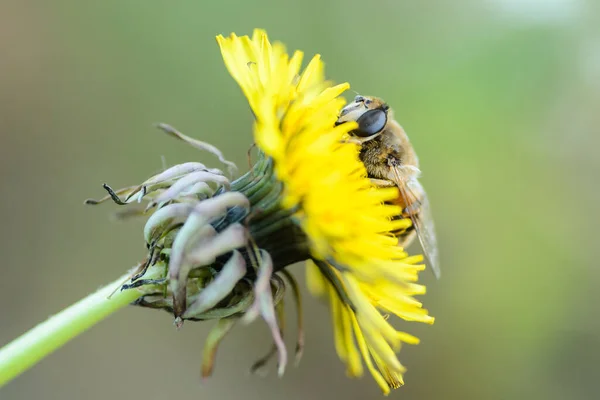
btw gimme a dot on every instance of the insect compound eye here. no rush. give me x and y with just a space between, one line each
371 122
359 99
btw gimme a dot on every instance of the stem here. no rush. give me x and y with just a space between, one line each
25 351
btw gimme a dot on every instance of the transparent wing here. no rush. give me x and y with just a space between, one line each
422 221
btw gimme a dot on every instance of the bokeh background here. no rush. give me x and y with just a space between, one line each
501 100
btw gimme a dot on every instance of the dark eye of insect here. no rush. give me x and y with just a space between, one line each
370 123
367 102
359 99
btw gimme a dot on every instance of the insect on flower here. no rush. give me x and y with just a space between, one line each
223 245
391 160
355 262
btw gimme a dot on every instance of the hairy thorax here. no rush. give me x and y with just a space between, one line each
385 156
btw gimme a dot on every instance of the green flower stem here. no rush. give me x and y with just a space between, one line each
25 351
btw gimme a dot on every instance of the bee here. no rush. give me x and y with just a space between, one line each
390 160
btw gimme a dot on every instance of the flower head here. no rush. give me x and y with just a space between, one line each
356 261
223 246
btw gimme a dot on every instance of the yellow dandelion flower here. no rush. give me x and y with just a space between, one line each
217 249
357 264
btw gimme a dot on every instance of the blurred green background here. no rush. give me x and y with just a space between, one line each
500 98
